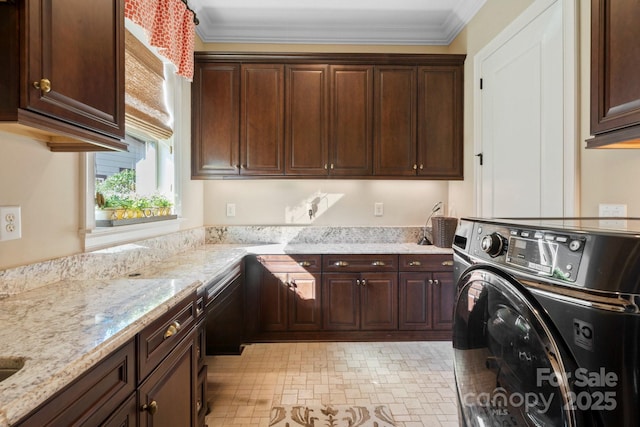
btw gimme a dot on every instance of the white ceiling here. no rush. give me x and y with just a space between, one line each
388 22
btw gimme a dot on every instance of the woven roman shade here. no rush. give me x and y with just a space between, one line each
145 108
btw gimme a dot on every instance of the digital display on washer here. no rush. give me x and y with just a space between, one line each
533 254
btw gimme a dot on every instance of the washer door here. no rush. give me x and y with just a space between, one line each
510 369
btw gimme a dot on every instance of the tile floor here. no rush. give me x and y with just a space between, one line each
415 379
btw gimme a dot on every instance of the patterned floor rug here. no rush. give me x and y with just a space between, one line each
331 416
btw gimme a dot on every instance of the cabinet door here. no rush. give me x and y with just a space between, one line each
262 120
305 299
167 397
394 151
443 300
215 105
415 301
351 120
225 320
78 46
379 301
440 101
341 301
306 136
615 60
272 301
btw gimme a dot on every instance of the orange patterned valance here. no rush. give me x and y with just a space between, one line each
170 27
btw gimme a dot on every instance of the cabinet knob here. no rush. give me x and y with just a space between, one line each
358 282
421 167
430 282
43 85
378 263
304 264
436 282
363 282
331 165
341 263
151 408
414 263
326 166
415 167
173 329
447 263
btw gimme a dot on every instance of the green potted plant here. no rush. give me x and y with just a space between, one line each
162 204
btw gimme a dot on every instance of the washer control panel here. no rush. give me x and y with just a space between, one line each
544 253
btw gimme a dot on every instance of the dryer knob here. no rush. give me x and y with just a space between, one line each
492 244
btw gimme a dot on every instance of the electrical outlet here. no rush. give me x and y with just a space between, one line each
10 223
378 209
611 210
231 209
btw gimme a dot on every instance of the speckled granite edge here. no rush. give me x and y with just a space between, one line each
107 263
317 234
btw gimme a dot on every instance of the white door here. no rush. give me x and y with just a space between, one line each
522 112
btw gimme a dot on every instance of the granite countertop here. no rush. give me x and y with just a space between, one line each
63 329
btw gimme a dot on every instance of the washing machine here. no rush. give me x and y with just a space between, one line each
547 322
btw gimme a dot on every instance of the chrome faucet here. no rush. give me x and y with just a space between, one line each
424 240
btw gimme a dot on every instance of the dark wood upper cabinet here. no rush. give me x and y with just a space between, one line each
215 128
328 116
440 117
615 82
350 141
394 151
65 72
306 135
262 119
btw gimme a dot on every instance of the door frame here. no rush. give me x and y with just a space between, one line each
571 191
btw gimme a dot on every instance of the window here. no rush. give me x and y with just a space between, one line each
144 177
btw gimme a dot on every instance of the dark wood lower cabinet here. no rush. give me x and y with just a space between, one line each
92 398
427 294
149 381
126 415
353 297
366 301
167 396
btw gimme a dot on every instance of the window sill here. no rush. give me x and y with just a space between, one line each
102 237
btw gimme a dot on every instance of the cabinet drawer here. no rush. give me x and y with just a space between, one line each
91 399
359 263
160 337
291 263
423 262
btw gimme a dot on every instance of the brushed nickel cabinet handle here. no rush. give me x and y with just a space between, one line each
378 263
415 167
430 282
331 165
304 264
447 263
341 263
415 263
436 282
421 167
364 282
358 282
326 166
43 85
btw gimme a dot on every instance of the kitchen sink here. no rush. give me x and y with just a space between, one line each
9 366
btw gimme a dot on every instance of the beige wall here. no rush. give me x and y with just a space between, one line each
405 202
47 188
47 185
